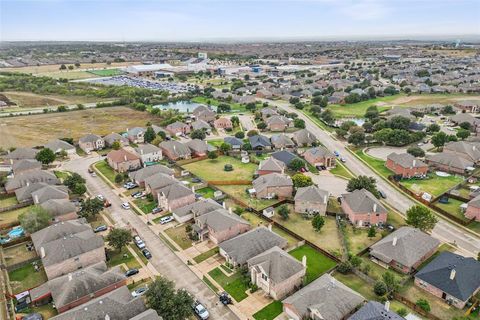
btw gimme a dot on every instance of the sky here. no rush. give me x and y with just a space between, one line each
230 20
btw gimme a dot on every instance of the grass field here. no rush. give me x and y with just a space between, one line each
42 128
434 185
214 169
105 169
119 257
317 263
358 109
7 200
341 171
106 72
377 164
180 236
26 278
12 216
28 100
238 192
145 205
233 284
357 238
269 312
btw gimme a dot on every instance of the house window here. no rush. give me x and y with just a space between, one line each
264 277
76 259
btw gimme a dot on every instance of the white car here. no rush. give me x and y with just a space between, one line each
200 311
100 197
165 220
126 205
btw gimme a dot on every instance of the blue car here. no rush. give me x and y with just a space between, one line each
336 153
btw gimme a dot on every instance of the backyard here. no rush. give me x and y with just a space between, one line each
213 170
433 185
206 192
317 263
357 239
26 277
179 235
453 207
11 217
233 284
17 254
239 192
7 200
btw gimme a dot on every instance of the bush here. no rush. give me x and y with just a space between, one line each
380 288
423 304
402 312
344 267
118 178
228 167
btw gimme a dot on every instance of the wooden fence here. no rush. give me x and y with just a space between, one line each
414 307
16 206
192 160
230 182
451 216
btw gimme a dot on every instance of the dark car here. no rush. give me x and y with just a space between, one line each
146 253
156 210
382 194
100 228
131 272
196 180
33 316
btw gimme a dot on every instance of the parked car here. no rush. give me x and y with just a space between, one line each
196 180
131 272
343 159
200 310
106 203
93 174
130 185
100 228
33 316
156 210
382 194
146 253
225 298
336 153
126 205
140 244
138 195
139 292
166 219
100 197
90 170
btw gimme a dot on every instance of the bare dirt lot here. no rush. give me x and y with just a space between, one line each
36 130
31 100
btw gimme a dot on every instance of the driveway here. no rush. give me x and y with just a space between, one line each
327 181
383 152
247 123
163 259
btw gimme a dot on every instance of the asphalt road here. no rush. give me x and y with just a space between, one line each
163 259
444 231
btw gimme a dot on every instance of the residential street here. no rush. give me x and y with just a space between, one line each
164 260
444 230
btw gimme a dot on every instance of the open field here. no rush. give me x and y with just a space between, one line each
238 192
214 169
28 100
35 130
317 263
106 72
434 185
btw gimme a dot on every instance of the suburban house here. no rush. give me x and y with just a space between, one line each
237 251
234 142
276 272
406 165
465 117
374 310
311 201
259 142
278 123
91 142
198 148
324 298
114 137
49 192
118 304
273 185
467 150
450 277
149 153
204 113
319 156
123 161
24 194
139 176
270 165
178 128
175 150
473 209
268 112
201 125
304 138
468 106
21 154
67 246
79 287
404 249
363 209
174 196
196 209
158 181
449 162
25 165
58 146
136 135
219 225
282 141
284 156
60 209
223 123
29 177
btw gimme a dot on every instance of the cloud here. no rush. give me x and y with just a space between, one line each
364 9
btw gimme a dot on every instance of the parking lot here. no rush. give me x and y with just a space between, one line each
171 87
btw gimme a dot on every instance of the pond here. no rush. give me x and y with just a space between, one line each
181 106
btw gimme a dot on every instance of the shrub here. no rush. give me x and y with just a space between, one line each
380 288
344 267
423 304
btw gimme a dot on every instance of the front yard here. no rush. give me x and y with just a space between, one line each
377 164
270 312
434 185
239 192
145 205
340 171
26 277
179 235
213 170
234 284
115 258
205 255
317 263
105 169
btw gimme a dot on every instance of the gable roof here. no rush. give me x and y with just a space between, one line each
25 164
159 180
304 136
363 201
406 245
469 150
122 155
197 145
325 296
320 152
197 208
220 220
176 148
466 277
58 145
144 173
234 141
312 194
281 140
58 207
146 149
259 141
90 138
29 177
271 180
271 164
251 243
49 192
25 193
175 191
374 310
284 156
406 160
112 137
450 159
200 124
22 153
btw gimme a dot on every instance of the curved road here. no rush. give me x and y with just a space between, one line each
444 231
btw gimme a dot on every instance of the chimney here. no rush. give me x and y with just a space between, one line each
230 210
11 160
70 277
42 252
193 189
374 207
107 317
452 274
387 305
394 242
473 148
304 261
35 199
224 205
414 162
325 199
125 157
141 151
270 227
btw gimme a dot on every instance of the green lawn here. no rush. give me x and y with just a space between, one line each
179 235
124 256
204 256
145 205
106 72
213 170
26 278
206 192
357 238
317 263
359 109
357 284
269 312
9 217
105 169
210 284
377 164
341 171
140 254
61 174
7 200
233 284
453 207
216 143
376 271
239 192
167 242
433 185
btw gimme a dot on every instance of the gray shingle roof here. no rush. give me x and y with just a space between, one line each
271 164
90 138
469 150
374 310
22 153
144 173
406 160
410 247
326 296
312 194
320 152
220 220
149 314
197 208
200 124
25 164
175 191
450 159
277 264
465 281
251 244
58 145
284 156
50 192
146 149
197 145
304 136
24 178
281 141
159 180
259 141
233 141
177 148
271 180
25 193
58 207
363 201
112 137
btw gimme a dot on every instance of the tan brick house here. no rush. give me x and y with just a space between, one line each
311 201
219 225
319 156
363 209
123 160
273 185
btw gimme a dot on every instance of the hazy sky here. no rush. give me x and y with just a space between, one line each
178 20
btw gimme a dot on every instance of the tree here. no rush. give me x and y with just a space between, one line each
372 232
169 304
433 128
391 282
466 125
363 182
34 219
118 178
45 156
296 164
262 126
423 304
198 134
439 139
235 121
212 155
63 67
252 133
72 180
357 138
448 110
225 147
299 123
149 134
300 180
283 211
240 135
355 261
380 288
327 116
416 151
421 217
116 145
91 207
61 109
402 312
318 222
223 107
119 238
463 134
79 189
344 267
